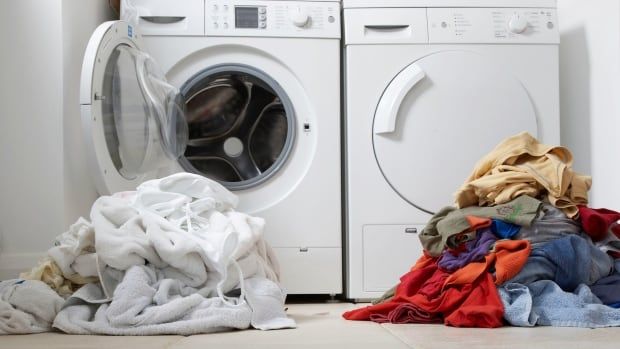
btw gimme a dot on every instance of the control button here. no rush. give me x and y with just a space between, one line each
444 24
215 8
550 25
299 17
262 17
215 25
331 19
225 25
517 23
263 25
262 10
225 7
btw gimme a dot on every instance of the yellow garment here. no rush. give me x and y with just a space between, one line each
49 272
520 165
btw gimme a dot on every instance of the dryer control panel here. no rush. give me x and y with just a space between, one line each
496 25
272 18
461 25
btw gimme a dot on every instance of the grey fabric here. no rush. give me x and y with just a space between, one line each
544 303
450 221
27 306
552 224
144 305
147 303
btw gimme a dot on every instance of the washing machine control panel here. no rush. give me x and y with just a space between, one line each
272 18
492 25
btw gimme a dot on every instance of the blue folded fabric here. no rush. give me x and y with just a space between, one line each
607 289
504 230
614 305
568 261
544 303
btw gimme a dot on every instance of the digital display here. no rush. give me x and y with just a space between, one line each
246 17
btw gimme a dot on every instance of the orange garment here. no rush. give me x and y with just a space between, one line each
508 257
423 262
520 165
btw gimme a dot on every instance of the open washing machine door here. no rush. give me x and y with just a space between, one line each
439 116
133 120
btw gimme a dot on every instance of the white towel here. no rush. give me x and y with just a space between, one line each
266 300
186 225
146 304
166 256
27 306
73 251
120 239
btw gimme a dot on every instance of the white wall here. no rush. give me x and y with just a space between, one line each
43 186
31 142
590 93
79 20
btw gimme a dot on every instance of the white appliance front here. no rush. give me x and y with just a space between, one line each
278 158
420 114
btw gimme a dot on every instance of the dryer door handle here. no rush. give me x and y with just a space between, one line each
163 19
387 110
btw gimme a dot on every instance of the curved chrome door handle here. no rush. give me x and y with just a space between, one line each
386 26
387 110
163 19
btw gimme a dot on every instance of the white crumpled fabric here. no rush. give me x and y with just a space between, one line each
27 306
184 224
167 257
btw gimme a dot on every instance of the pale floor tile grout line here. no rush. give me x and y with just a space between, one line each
397 337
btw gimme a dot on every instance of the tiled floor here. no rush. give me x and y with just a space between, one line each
321 326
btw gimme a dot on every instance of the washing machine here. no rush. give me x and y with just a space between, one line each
430 87
256 107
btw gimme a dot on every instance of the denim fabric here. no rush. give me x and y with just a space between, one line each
607 289
569 261
544 303
553 224
474 250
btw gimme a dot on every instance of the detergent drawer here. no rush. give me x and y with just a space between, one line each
164 17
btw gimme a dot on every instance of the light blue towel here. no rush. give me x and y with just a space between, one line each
545 303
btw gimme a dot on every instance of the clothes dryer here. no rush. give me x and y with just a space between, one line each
430 87
260 85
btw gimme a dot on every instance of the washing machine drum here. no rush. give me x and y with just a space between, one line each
240 130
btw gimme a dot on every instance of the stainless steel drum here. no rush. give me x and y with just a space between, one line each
241 126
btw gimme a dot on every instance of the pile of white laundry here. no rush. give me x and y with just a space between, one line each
172 257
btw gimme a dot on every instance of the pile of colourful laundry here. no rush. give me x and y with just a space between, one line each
172 257
521 247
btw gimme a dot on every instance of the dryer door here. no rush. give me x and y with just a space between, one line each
133 120
438 117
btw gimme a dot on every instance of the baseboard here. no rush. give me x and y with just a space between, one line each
11 264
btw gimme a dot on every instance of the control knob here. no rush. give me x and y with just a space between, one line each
299 17
517 23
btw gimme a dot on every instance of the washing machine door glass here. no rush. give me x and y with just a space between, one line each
137 119
137 113
438 116
241 125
